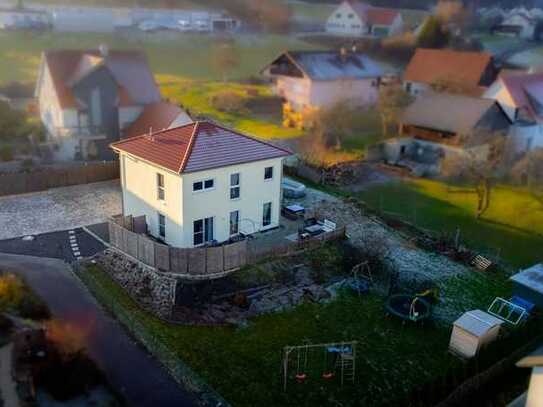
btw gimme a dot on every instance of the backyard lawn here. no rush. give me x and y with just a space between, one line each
243 364
512 227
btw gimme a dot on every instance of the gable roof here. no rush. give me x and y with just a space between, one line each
129 68
331 65
462 67
156 117
447 112
198 146
526 91
374 15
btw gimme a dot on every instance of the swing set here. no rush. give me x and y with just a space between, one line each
337 359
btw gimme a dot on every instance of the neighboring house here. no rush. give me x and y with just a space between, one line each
519 24
533 397
521 97
86 98
156 117
309 80
469 73
437 125
201 183
354 19
23 18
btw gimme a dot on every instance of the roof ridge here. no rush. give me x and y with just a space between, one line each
188 151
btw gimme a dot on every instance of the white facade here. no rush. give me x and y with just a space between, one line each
345 21
304 92
181 206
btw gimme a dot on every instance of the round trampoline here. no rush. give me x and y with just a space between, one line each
408 307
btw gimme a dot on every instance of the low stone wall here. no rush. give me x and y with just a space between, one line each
153 290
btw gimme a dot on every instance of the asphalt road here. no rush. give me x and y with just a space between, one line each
59 245
138 377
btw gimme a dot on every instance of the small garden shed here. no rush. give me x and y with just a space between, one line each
528 284
472 331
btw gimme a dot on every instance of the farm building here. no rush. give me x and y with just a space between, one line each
83 19
528 284
23 18
472 331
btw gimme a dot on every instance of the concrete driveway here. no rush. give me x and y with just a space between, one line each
58 209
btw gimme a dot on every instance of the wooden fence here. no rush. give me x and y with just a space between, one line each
194 263
127 234
43 179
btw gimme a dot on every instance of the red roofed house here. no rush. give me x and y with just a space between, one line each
521 97
355 19
201 183
470 73
88 97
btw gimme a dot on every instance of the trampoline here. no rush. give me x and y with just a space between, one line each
408 307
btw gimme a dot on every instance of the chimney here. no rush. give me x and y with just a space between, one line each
150 136
104 50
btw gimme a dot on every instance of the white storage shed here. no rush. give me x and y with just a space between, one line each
472 331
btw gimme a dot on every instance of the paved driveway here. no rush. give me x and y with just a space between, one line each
58 209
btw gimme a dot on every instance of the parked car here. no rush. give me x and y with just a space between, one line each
183 25
292 189
149 26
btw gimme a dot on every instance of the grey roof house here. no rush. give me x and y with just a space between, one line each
309 80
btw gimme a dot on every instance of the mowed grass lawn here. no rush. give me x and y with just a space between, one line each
512 226
243 364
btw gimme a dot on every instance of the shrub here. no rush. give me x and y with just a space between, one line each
6 153
12 291
229 102
32 307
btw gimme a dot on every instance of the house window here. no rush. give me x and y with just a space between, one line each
206 185
96 107
408 87
160 187
203 231
234 223
338 15
235 192
268 173
351 15
266 216
161 226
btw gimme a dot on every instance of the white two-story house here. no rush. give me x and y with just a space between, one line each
87 98
201 183
356 19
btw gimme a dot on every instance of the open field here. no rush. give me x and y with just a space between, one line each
512 227
186 56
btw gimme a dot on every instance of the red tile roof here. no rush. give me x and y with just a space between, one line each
461 67
156 116
381 16
198 146
374 15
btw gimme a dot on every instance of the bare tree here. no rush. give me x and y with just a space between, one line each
528 170
393 99
484 161
226 58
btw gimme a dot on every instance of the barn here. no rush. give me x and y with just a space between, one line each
528 285
472 331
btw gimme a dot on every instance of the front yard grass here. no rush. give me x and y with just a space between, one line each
512 227
243 364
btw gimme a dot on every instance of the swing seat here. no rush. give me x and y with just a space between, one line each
328 375
301 377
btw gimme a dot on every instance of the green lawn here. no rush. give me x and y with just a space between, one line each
512 226
243 364
189 56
